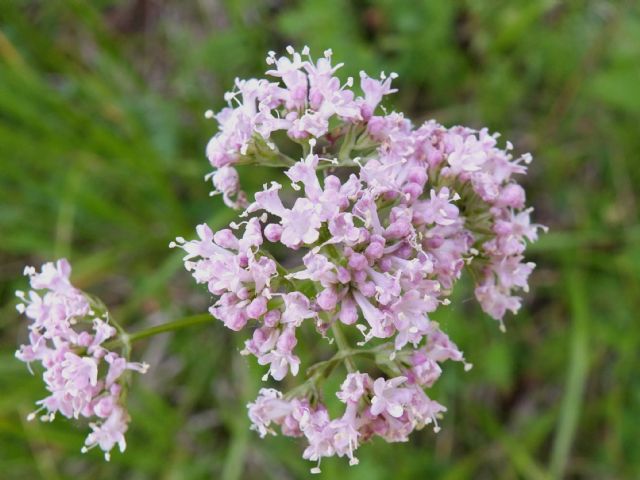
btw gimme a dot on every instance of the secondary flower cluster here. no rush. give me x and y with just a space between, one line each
387 216
67 336
390 409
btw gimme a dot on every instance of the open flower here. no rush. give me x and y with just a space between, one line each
389 397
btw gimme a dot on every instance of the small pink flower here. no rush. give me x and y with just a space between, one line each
354 387
389 397
109 433
268 408
301 224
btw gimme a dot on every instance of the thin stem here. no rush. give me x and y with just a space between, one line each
343 346
172 326
344 354
236 455
158 329
322 370
577 374
348 142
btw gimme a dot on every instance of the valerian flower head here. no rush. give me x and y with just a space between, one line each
383 217
68 336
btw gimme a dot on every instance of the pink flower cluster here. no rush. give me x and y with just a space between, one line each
67 338
390 409
303 101
387 216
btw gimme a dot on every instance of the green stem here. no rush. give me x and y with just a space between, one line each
165 327
236 455
577 374
343 346
322 370
344 354
347 145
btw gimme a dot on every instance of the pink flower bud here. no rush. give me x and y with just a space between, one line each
225 238
257 308
287 341
511 196
343 275
374 251
357 261
271 318
348 311
418 176
327 299
273 232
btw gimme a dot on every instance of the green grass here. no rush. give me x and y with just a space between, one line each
101 160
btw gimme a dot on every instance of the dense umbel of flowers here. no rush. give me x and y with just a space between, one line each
67 336
386 215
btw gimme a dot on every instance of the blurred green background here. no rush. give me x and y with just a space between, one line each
102 137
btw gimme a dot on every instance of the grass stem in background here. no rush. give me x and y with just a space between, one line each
576 374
